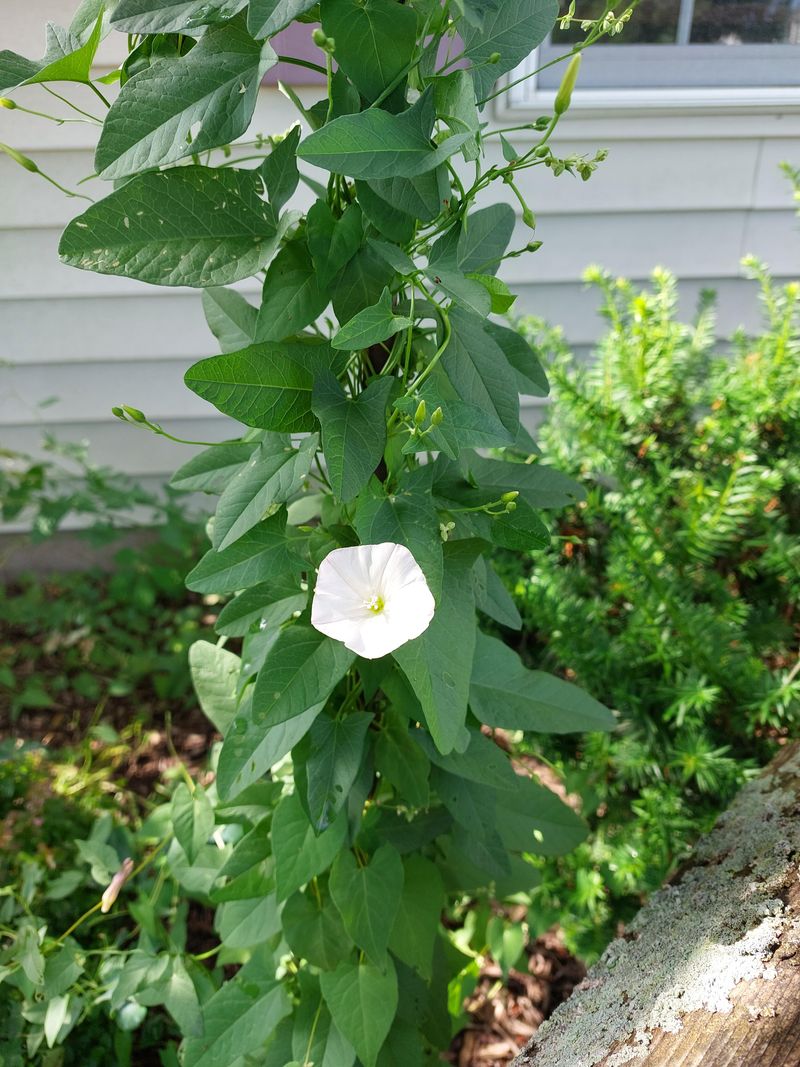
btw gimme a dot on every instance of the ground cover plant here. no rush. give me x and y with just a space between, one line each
355 793
674 592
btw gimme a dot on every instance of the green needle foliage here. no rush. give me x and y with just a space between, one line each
354 799
673 595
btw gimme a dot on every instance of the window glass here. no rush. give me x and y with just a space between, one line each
653 22
745 22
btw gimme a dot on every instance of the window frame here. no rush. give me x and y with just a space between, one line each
531 97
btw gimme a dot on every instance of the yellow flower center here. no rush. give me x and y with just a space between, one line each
376 604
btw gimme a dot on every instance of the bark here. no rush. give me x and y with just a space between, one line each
709 971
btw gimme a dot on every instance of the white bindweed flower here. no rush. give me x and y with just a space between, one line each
373 598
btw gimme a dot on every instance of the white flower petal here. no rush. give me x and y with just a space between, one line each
372 598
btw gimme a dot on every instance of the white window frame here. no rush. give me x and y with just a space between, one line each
529 99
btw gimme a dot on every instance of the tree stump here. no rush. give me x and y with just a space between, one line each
709 971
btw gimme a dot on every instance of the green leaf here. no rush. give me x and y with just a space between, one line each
272 476
479 373
180 998
267 17
230 318
270 604
197 226
386 218
237 1020
503 692
371 326
333 241
331 765
249 851
416 924
408 518
520 530
375 41
248 922
171 16
368 898
401 761
531 378
215 676
539 486
29 955
249 750
439 662
192 819
299 853
501 296
465 292
492 597
353 432
482 761
394 256
456 107
314 931
176 108
513 29
421 198
267 385
315 1039
293 296
55 1017
67 57
477 244
363 1001
211 470
279 170
262 553
375 144
475 835
301 670
462 426
532 819
360 283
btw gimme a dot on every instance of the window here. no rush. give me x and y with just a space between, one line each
682 49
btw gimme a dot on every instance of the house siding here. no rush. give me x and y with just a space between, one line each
692 194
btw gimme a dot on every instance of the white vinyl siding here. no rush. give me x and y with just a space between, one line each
693 195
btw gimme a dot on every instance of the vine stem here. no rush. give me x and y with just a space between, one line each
96 907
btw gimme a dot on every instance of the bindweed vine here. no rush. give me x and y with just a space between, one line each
358 794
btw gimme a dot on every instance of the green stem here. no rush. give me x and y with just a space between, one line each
302 63
97 92
69 103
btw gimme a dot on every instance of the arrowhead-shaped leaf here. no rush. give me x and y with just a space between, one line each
178 107
171 16
368 898
261 554
503 692
363 1001
267 385
271 477
353 432
371 326
197 226
299 853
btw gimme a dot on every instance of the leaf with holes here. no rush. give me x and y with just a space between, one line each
177 108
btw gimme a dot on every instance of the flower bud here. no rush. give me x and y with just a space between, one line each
18 157
118 413
494 58
134 413
511 495
437 418
564 94
319 37
116 883
5 102
529 218
511 506
421 413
